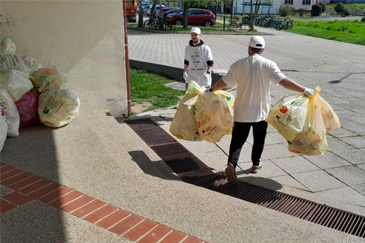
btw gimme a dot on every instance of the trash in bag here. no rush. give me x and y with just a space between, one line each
7 45
57 107
28 109
16 83
288 115
23 63
3 128
11 113
183 125
213 115
50 78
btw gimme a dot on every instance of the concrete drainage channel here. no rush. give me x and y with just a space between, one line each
192 170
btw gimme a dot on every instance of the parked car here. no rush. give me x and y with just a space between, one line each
196 16
173 11
157 9
164 10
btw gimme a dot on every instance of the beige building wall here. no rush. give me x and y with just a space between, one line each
298 4
84 38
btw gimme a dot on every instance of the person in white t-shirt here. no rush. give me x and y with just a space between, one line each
198 61
252 75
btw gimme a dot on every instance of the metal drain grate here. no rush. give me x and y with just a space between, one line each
193 171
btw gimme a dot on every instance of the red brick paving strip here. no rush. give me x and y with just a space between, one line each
10 174
17 198
140 230
156 234
45 190
94 205
101 213
6 206
65 199
55 194
16 178
174 237
35 186
112 219
77 203
5 169
27 181
58 196
126 224
192 240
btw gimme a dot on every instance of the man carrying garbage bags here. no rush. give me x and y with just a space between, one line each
252 75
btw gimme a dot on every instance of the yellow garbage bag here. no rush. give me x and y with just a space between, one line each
213 114
288 115
330 118
183 125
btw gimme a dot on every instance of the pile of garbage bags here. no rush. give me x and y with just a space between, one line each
203 115
30 93
304 122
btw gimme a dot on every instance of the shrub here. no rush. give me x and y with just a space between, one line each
345 13
363 19
286 10
323 5
316 10
340 8
301 12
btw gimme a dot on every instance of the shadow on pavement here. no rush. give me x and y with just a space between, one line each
32 151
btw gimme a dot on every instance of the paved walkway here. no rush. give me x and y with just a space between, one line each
336 67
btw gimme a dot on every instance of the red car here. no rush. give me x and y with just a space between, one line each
196 16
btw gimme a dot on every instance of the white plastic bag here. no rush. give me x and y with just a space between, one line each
11 113
7 45
16 83
3 128
57 107
50 78
23 63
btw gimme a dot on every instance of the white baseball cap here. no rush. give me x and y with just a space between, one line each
257 42
195 30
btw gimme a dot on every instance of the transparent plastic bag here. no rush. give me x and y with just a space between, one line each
50 78
288 115
312 139
22 63
16 83
58 107
183 125
329 116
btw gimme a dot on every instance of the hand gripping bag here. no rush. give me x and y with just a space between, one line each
16 83
288 115
183 125
3 128
57 107
28 109
312 139
50 78
11 113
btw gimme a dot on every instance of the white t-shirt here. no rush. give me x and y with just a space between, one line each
198 57
253 76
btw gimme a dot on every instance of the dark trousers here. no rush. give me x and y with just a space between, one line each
239 136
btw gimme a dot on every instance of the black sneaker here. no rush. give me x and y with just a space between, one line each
231 174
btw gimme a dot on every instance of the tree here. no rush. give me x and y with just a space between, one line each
316 10
140 14
190 4
340 8
323 5
286 10
254 13
230 3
